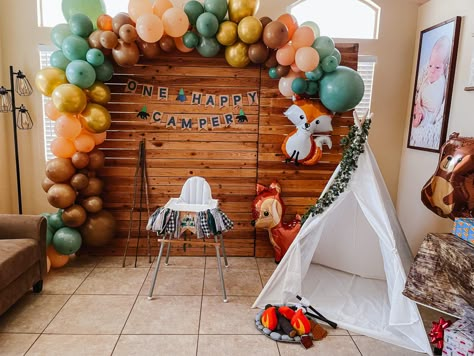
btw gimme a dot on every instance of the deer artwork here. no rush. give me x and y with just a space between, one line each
268 211
309 117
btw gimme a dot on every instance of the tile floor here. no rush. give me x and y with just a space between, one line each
95 307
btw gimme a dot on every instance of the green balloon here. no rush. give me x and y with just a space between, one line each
59 33
81 25
329 64
67 240
105 71
193 9
312 87
272 73
299 85
324 45
95 57
75 47
207 24
91 8
337 54
80 73
341 90
208 47
216 7
190 39
49 235
59 60
314 26
315 74
55 221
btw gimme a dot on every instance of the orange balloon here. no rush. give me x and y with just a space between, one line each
62 147
100 137
68 126
104 22
303 37
290 22
178 41
84 142
160 6
51 111
57 260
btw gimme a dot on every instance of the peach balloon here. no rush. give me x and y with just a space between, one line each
56 259
306 59
150 28
295 68
84 142
160 6
178 41
303 37
68 126
175 22
62 147
285 55
137 8
100 137
290 22
48 264
51 111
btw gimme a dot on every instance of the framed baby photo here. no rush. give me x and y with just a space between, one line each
433 85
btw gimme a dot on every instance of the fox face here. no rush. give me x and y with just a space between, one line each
309 116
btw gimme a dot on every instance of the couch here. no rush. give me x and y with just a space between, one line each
22 256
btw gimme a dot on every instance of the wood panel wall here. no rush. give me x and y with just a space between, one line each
232 159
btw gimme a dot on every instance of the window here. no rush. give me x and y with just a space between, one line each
50 13
48 125
366 68
340 18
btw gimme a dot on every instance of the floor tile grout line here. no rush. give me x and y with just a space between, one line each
355 343
55 315
200 310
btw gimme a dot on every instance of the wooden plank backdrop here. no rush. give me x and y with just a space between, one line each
232 159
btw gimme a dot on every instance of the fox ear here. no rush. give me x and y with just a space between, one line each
275 185
260 188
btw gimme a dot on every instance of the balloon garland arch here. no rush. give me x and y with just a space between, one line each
304 63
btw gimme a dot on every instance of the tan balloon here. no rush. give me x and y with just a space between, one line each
98 229
94 188
74 216
119 20
61 196
80 160
149 50
98 93
93 204
94 39
69 98
79 181
59 170
237 55
108 39
238 9
95 118
48 79
227 33
126 54
46 184
128 33
96 160
250 29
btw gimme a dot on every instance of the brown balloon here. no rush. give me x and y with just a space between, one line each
94 39
80 160
96 159
94 187
272 60
46 184
258 52
265 20
282 71
108 39
79 181
107 52
59 169
128 33
93 204
98 229
167 43
126 54
61 196
449 193
275 34
149 50
74 216
119 20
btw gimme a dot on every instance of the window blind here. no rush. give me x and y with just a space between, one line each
366 68
48 125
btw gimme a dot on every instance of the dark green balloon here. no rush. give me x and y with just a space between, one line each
329 64
316 74
216 7
75 47
337 54
190 39
67 240
207 24
59 33
193 9
49 235
324 45
55 220
298 85
80 25
272 73
341 90
105 71
311 87
208 47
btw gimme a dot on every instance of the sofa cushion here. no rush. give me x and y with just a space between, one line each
16 256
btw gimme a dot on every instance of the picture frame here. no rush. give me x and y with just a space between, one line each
434 80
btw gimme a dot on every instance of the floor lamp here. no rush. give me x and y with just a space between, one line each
20 85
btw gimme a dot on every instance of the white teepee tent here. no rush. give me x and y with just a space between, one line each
351 263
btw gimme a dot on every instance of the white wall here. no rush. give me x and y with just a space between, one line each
418 166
